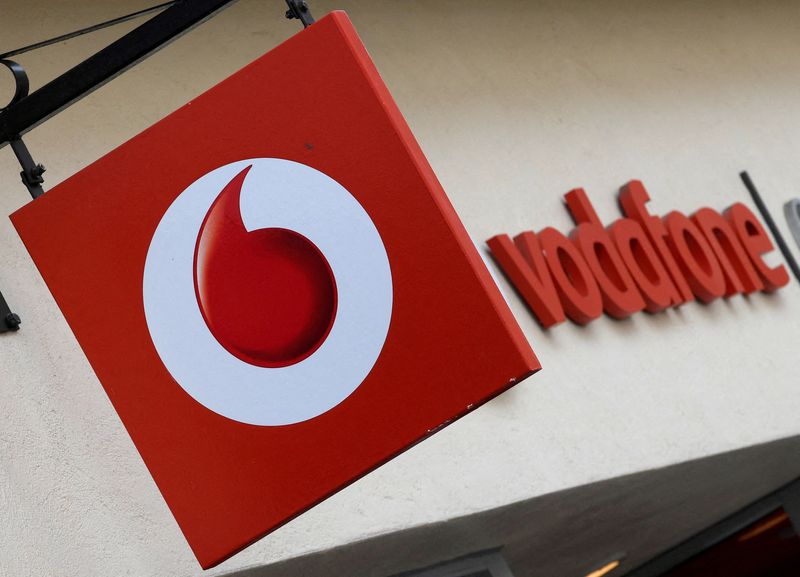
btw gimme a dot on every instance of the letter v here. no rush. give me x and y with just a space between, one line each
523 263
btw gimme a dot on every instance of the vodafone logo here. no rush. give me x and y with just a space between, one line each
267 291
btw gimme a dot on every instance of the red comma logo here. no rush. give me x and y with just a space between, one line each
267 292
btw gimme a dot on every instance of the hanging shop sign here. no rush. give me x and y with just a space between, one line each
271 285
640 262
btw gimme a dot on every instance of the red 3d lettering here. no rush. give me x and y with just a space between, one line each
640 262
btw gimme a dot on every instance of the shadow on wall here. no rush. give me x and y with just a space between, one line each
570 532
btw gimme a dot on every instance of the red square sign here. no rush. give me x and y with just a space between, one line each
274 290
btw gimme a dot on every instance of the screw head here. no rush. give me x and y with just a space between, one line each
13 321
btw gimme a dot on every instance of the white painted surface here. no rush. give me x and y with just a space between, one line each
513 108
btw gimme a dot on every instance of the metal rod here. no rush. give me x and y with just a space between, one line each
31 172
299 9
109 62
762 208
88 29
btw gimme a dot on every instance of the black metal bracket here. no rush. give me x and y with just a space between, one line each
28 112
10 321
31 172
299 9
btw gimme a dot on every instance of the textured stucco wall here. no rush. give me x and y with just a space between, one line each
514 103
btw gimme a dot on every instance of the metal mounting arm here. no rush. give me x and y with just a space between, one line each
31 172
116 58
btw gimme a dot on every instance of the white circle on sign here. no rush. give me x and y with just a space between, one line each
275 194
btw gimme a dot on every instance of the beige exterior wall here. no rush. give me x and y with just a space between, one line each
514 103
